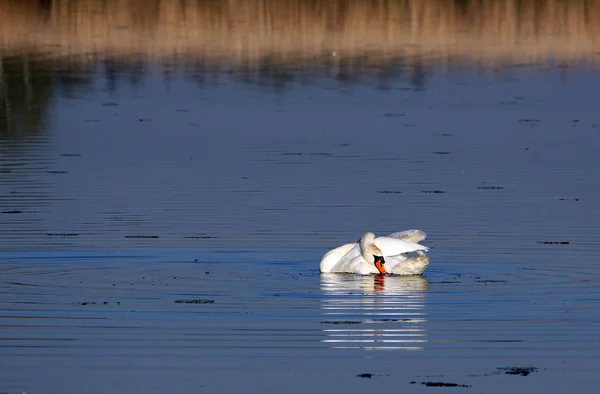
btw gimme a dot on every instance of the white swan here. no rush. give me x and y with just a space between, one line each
379 255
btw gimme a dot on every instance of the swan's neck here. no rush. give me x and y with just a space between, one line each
368 248
364 251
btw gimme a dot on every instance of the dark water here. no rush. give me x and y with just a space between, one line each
161 227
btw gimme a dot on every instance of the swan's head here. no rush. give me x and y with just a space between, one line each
371 253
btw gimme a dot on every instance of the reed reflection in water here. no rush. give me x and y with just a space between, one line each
380 312
253 34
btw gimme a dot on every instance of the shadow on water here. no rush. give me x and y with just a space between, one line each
26 88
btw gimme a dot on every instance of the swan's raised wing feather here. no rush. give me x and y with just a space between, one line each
414 236
393 247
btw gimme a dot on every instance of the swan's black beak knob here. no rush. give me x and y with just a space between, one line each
379 262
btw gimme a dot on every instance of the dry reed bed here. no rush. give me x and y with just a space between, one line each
248 32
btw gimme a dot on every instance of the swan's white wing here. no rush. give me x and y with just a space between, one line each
410 266
355 265
393 261
393 247
397 265
414 236
351 262
334 256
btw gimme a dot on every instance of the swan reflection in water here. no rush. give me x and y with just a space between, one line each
379 312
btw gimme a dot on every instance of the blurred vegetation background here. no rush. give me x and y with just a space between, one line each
247 32
41 39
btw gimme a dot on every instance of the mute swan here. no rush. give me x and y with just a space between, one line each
373 255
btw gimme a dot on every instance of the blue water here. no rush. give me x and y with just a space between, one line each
131 194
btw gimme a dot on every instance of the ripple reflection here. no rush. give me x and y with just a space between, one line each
374 312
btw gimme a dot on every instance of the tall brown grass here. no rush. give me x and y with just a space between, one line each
248 32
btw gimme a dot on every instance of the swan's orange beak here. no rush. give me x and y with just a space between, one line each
379 262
